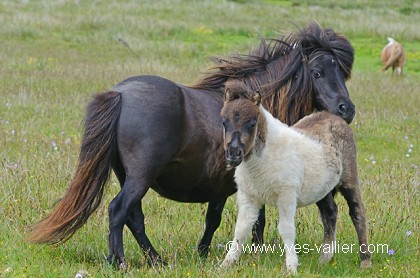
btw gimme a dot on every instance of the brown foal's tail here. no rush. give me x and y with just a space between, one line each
86 189
395 53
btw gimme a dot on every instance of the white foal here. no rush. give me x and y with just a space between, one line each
288 168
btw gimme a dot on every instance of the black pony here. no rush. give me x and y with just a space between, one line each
158 134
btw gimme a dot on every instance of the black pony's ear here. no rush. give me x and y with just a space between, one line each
256 97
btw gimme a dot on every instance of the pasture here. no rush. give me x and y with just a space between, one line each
55 55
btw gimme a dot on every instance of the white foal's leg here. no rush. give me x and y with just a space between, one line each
248 210
287 209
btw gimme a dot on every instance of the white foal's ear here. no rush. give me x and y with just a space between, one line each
228 95
256 97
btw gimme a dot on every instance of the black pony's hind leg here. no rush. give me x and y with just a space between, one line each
328 210
135 223
258 229
120 211
213 218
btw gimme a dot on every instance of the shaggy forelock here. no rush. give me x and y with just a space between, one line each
239 105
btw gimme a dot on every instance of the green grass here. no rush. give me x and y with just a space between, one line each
55 55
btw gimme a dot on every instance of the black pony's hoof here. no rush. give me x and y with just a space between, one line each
119 263
156 262
203 250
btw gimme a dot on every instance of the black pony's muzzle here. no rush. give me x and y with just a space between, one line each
347 111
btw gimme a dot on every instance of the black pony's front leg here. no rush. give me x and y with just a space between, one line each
328 210
213 218
258 229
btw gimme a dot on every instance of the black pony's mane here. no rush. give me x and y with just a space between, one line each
278 69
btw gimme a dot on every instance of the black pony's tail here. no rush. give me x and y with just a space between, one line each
83 196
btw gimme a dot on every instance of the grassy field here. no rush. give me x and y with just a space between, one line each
55 55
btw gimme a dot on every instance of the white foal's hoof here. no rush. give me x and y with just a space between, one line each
325 258
227 263
366 264
292 269
291 266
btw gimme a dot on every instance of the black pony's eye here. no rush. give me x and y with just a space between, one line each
316 74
